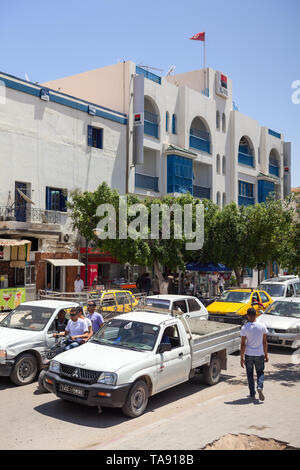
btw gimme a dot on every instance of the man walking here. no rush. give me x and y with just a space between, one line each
254 352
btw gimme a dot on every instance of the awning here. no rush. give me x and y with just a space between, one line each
19 251
207 268
12 242
65 262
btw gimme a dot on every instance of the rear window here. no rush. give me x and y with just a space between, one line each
158 303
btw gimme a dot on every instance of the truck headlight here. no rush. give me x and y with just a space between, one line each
3 355
293 330
54 367
108 378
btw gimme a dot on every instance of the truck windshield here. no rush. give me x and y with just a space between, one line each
284 309
128 334
28 317
232 296
274 290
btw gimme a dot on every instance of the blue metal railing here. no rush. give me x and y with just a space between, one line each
201 192
151 124
246 201
200 140
274 170
274 134
245 159
147 74
146 182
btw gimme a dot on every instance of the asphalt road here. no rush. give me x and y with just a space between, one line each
198 413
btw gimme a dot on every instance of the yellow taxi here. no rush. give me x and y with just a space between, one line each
233 304
113 300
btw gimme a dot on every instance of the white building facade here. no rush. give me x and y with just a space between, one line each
50 145
194 137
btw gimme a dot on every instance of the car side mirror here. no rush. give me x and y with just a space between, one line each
163 347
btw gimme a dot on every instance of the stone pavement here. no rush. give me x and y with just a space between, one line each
278 417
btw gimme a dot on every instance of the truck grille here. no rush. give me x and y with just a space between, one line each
77 374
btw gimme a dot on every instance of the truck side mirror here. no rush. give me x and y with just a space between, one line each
164 347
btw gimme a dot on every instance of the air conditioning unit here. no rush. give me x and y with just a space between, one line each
66 238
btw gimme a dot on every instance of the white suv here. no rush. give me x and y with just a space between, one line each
281 286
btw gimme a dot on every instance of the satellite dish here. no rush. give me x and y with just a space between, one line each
27 199
171 70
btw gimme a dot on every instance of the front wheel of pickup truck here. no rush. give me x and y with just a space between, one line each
211 373
25 370
137 400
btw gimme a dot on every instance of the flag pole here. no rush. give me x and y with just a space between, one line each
204 60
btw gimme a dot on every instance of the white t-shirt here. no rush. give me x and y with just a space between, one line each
254 333
88 322
78 285
75 328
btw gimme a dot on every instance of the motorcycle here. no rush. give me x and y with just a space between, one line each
57 348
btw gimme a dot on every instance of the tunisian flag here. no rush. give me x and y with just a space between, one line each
198 37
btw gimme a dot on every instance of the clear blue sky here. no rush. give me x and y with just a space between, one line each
256 43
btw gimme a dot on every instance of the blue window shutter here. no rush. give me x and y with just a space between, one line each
100 139
90 136
48 198
174 124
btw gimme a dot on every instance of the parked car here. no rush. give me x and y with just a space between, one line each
282 320
137 355
232 305
190 306
26 335
281 286
114 300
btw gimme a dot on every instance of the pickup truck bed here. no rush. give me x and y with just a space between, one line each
209 337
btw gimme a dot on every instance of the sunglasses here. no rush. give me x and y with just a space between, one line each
91 305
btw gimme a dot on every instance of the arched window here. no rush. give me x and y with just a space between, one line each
167 121
174 124
246 152
223 123
274 163
151 118
218 120
218 164
224 165
219 199
200 137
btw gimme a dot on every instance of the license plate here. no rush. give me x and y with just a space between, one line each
273 339
72 390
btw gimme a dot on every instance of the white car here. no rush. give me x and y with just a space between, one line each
281 286
190 306
282 320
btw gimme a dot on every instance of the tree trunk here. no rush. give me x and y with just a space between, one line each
157 271
239 276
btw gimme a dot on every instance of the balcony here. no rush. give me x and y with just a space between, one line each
200 140
151 124
146 182
245 156
32 215
201 192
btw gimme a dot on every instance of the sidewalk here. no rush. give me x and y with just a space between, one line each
278 417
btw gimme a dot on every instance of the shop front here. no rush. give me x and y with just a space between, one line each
14 265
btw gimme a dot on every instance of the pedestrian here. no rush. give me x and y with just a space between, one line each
48 289
221 284
76 330
87 321
254 352
95 317
164 288
147 284
78 284
155 285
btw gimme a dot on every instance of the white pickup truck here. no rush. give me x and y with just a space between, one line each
139 354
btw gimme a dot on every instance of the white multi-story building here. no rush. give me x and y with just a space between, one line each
50 145
78 131
194 137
